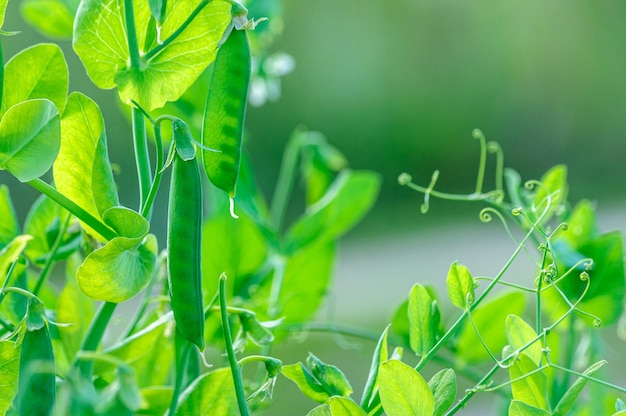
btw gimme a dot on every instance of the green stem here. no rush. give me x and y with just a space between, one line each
586 377
147 207
140 141
94 336
232 359
77 211
181 363
470 393
157 49
483 160
47 268
131 34
286 178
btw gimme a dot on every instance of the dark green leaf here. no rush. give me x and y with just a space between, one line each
460 286
403 391
424 320
566 403
443 387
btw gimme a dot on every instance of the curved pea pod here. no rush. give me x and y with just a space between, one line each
36 383
225 111
184 258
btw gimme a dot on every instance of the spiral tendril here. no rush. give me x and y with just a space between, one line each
433 181
404 179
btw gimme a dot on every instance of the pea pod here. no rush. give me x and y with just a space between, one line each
183 240
225 111
36 383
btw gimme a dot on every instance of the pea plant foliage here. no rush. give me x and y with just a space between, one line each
233 277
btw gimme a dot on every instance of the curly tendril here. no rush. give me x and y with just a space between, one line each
433 180
404 179
586 263
478 135
495 148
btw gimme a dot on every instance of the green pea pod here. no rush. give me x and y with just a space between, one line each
36 383
225 111
183 240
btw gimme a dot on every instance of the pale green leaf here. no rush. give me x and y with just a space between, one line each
566 402
489 319
348 199
9 369
118 270
100 41
443 387
581 224
35 73
460 285
517 408
306 382
403 391
156 400
530 389
553 190
341 406
321 410
53 18
380 356
329 376
3 7
10 253
9 227
210 394
519 333
400 323
82 171
424 320
29 139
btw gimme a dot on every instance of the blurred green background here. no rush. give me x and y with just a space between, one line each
399 86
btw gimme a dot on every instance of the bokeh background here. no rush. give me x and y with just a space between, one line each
398 86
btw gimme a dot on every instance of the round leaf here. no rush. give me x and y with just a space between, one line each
403 391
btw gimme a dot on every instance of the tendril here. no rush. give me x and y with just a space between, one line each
586 263
494 147
597 321
478 134
486 216
433 181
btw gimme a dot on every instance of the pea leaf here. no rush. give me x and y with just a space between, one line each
400 323
341 406
209 394
371 386
53 18
9 227
519 333
460 285
321 410
82 171
554 191
164 74
348 199
3 7
29 139
566 402
36 72
320 163
329 376
518 408
122 267
306 382
530 388
156 400
581 225
424 320
403 391
443 387
489 319
10 253
9 369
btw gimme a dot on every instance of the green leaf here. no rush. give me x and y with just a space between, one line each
517 408
443 387
348 199
157 8
254 330
341 406
53 18
100 42
460 286
38 72
122 267
581 225
424 320
330 377
9 369
156 400
489 319
519 333
400 323
29 139
209 394
531 389
9 227
82 171
320 163
403 391
554 188
371 386
3 7
321 410
566 403
305 381
10 253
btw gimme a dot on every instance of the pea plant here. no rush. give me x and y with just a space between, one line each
234 277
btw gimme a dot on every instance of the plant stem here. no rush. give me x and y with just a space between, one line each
142 159
94 336
131 34
181 363
147 206
286 178
232 359
77 211
470 393
47 268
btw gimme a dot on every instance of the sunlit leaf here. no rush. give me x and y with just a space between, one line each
10 253
581 225
348 199
53 18
553 190
531 387
518 408
8 226
329 376
403 391
37 72
489 319
400 323
424 320
9 369
321 410
443 387
460 285
519 333
380 356
306 382
341 406
29 139
566 402
100 41
209 394
82 171
156 400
